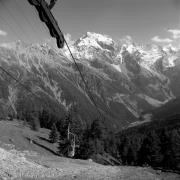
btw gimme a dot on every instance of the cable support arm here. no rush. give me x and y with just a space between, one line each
47 17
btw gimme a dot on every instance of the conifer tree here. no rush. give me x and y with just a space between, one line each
63 146
54 134
149 152
175 141
130 156
98 130
97 137
170 148
44 118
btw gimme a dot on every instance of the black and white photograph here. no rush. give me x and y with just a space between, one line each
89 89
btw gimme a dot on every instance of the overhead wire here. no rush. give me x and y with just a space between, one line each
14 19
26 19
89 94
83 79
7 72
18 81
19 37
43 24
27 89
10 26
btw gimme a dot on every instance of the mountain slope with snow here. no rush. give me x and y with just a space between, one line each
124 78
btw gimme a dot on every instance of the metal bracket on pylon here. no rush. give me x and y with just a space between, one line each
47 17
52 3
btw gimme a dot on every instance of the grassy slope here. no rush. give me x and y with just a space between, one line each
45 165
13 132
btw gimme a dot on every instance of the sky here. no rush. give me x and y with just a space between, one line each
146 21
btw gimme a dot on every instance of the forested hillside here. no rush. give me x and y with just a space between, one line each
153 144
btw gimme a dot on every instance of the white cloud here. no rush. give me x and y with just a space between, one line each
159 40
3 33
175 33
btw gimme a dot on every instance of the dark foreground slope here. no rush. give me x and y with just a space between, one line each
23 160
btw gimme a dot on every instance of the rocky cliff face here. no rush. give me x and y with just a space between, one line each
124 78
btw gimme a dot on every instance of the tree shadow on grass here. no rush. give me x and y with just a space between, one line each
44 139
42 146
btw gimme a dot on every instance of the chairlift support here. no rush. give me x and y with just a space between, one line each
47 17
52 3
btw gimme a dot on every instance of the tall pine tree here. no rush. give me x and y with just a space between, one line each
54 134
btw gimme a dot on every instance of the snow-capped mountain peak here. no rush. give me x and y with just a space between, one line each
99 38
92 44
94 40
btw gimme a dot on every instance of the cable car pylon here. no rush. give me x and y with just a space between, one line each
45 15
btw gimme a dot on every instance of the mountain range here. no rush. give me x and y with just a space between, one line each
125 79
